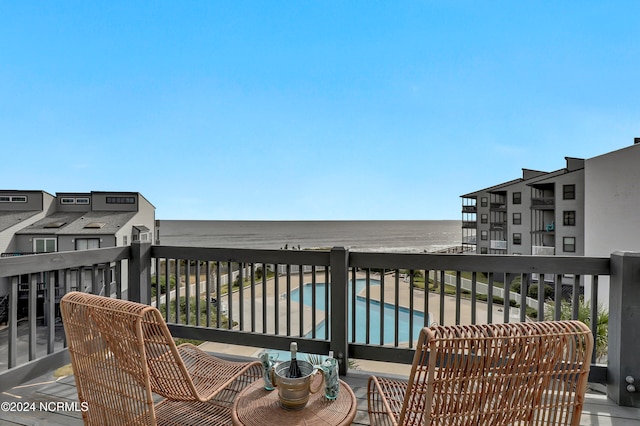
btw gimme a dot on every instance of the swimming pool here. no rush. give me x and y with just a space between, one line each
360 311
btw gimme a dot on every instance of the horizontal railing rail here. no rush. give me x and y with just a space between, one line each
360 305
259 313
299 318
542 201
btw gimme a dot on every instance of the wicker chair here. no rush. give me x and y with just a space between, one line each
498 374
125 360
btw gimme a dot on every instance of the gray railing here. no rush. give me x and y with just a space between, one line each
359 305
542 201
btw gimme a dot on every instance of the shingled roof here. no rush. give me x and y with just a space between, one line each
79 223
9 219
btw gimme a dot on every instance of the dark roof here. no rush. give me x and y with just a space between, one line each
9 219
141 228
551 177
492 188
47 225
536 179
75 223
98 222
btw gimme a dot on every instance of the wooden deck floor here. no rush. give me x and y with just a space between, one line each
599 411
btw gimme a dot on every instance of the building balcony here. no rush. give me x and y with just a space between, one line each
543 203
273 297
498 226
469 209
13 254
469 224
498 245
498 206
543 251
470 239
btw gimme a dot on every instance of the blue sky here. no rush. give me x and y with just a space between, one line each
310 109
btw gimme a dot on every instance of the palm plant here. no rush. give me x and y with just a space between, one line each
316 360
584 315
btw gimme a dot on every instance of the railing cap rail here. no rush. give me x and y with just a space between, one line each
28 264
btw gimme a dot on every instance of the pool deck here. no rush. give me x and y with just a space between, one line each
403 299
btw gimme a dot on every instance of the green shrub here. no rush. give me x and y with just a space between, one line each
163 284
549 291
224 320
584 315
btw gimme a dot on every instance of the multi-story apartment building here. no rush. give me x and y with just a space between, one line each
590 208
541 213
34 222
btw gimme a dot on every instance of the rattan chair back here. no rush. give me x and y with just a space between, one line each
532 373
122 352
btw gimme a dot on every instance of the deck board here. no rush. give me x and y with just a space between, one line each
598 410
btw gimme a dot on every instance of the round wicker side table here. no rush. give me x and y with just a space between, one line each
259 407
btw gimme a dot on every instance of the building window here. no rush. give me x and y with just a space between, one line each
484 218
484 202
87 243
569 244
517 198
71 200
569 218
568 192
517 238
483 250
484 235
121 200
124 240
44 245
14 199
517 218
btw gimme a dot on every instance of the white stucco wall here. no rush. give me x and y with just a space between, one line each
612 205
612 202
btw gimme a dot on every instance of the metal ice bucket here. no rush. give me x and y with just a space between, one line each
294 392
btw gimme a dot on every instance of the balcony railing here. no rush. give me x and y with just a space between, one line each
469 224
469 209
359 305
498 245
470 239
543 251
543 203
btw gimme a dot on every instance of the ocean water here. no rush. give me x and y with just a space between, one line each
366 235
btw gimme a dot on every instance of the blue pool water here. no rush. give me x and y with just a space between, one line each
360 312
